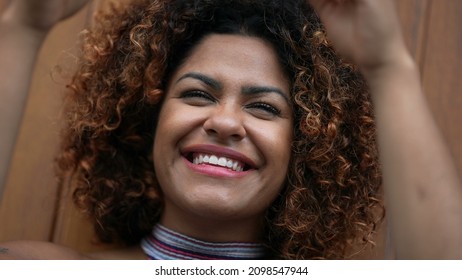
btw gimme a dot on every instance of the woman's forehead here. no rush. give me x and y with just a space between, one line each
235 58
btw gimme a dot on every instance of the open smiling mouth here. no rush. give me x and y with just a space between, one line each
215 160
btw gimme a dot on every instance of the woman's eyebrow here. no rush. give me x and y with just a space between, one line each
214 84
248 90
265 89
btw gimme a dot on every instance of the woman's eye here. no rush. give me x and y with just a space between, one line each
197 97
264 110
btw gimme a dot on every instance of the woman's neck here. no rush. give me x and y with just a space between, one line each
215 230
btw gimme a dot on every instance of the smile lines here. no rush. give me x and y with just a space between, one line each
218 161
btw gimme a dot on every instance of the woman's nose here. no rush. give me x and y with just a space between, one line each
226 123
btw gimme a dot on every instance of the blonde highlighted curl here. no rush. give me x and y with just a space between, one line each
331 199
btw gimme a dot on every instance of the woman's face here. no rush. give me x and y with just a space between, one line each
224 133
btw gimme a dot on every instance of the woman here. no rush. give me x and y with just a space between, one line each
262 134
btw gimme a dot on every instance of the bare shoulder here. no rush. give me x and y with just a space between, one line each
128 253
37 250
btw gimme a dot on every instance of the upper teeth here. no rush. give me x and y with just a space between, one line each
220 161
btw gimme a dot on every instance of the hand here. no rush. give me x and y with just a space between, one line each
40 15
366 32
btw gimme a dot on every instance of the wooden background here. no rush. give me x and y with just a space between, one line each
32 207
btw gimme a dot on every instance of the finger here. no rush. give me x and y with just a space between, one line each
4 4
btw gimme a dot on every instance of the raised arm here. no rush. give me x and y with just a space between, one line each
423 192
24 25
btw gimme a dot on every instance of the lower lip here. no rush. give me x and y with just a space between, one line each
214 171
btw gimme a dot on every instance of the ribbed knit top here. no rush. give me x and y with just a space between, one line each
166 244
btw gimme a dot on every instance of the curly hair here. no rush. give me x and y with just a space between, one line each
332 196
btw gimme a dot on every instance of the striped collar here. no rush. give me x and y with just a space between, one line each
165 244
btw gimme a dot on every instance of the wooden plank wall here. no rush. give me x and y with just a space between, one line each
442 73
31 206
